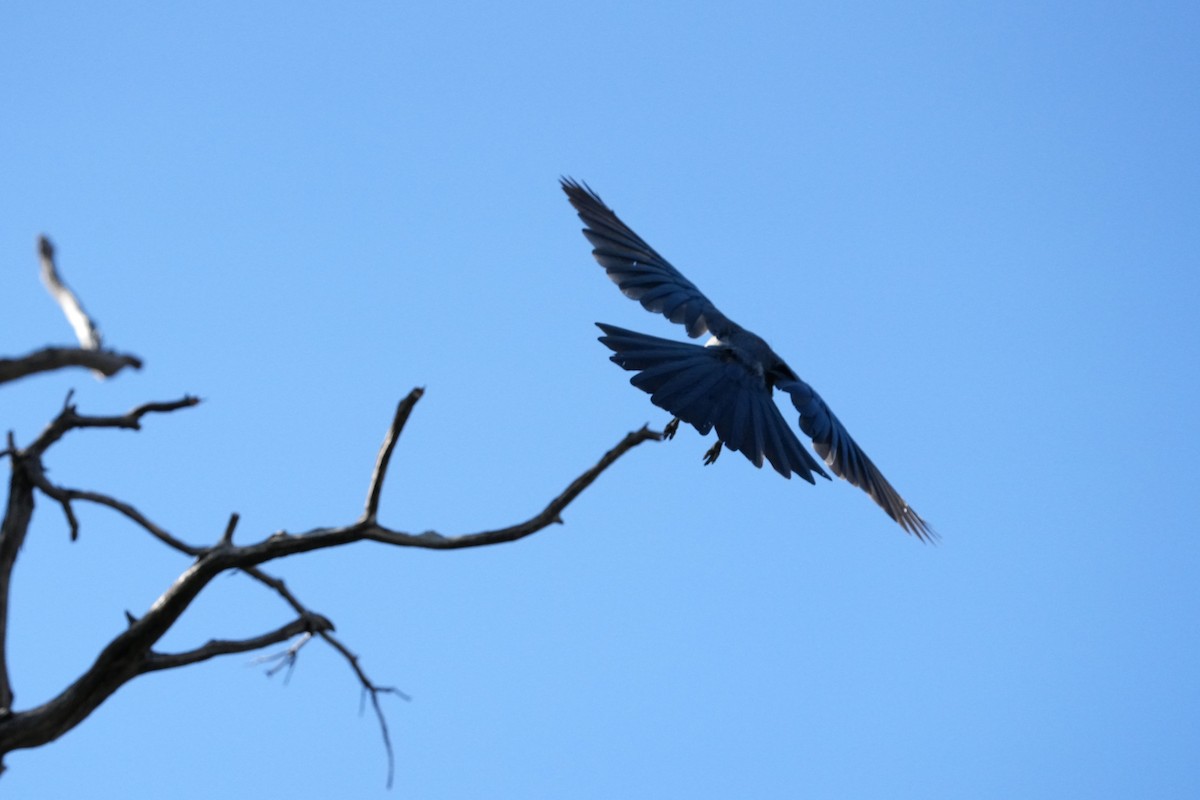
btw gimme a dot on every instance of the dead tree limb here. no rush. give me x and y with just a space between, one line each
48 359
17 515
221 647
404 408
90 353
131 652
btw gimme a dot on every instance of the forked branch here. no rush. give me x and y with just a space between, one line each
221 647
90 353
131 652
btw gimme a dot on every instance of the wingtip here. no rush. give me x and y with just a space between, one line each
913 524
578 191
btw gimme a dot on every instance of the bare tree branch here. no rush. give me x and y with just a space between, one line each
120 661
65 496
227 537
27 473
220 647
68 419
403 409
369 687
85 329
284 544
15 526
327 634
372 691
285 659
103 362
90 353
130 653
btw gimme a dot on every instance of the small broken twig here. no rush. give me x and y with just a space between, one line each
68 419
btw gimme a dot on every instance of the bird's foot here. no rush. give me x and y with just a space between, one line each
711 456
672 427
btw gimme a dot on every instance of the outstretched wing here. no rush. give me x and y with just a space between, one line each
847 460
641 273
708 387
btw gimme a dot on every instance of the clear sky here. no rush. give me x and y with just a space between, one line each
975 229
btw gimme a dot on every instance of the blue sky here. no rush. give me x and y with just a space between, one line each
972 229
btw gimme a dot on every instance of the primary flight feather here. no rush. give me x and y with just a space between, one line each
728 384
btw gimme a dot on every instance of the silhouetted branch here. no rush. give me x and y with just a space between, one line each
130 653
28 473
403 409
220 647
17 515
227 537
68 419
103 362
370 688
65 496
282 544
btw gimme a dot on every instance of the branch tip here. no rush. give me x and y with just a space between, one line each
227 537
84 326
375 489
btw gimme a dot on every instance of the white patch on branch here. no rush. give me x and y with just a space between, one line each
85 329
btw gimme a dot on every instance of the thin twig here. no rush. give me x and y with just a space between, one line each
220 647
287 658
283 544
373 691
68 419
550 515
368 686
281 589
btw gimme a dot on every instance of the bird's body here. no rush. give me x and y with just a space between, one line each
727 384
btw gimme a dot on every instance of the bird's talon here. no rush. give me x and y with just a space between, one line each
711 456
672 427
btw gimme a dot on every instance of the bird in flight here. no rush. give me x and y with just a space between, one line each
728 383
